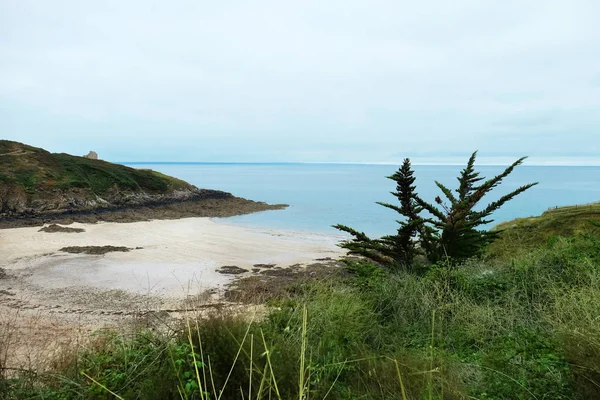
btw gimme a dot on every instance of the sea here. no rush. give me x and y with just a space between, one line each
322 195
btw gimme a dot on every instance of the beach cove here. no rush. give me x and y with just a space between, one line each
174 266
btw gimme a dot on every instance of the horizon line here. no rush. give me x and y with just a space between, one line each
487 164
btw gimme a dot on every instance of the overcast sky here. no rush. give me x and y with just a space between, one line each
327 80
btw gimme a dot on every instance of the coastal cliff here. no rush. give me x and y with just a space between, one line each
37 186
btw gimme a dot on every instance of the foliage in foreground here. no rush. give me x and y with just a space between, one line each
525 328
451 230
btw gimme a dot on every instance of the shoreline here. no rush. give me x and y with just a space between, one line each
164 210
284 231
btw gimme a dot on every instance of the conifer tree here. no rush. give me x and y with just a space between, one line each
402 247
394 251
451 231
457 221
362 245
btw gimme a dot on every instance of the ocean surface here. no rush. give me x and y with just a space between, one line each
321 195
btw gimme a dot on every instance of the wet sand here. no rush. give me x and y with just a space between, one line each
167 257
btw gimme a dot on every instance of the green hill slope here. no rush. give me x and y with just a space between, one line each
527 233
35 182
33 169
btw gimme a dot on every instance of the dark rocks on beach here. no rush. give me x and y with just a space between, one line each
279 272
94 250
57 228
264 265
221 205
231 270
280 282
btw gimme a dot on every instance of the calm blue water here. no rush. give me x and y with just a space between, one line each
321 195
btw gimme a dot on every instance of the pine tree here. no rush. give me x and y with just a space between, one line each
401 247
394 251
458 221
362 245
452 230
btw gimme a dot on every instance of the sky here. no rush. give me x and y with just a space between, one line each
304 81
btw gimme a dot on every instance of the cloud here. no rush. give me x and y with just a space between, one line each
308 81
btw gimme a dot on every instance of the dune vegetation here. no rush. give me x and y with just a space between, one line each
520 319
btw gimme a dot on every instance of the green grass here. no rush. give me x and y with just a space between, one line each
528 233
32 168
524 328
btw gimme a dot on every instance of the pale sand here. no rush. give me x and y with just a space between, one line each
50 299
178 257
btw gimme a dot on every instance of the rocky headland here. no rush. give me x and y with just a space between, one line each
38 187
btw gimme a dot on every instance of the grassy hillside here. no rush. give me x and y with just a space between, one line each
32 169
527 233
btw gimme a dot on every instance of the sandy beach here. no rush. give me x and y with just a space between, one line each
174 258
174 265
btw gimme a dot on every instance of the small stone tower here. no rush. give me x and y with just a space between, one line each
92 155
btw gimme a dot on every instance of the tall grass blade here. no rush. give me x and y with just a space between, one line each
195 361
268 354
301 377
337 377
212 380
251 366
237 356
402 389
431 344
102 386
202 354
